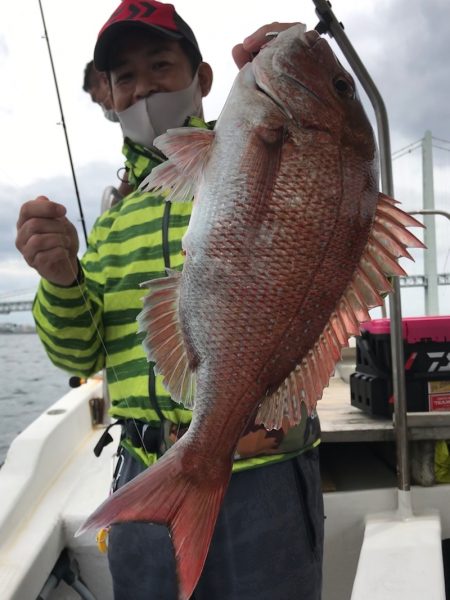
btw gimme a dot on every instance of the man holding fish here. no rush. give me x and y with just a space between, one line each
268 537
288 247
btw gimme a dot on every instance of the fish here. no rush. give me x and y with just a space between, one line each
289 246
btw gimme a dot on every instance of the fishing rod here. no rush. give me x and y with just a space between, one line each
80 208
63 123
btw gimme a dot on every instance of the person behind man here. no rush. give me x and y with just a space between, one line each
85 313
96 84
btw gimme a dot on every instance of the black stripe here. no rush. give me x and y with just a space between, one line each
165 235
151 374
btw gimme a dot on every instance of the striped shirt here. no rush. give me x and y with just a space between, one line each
92 324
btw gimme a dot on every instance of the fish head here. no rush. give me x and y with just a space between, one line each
298 70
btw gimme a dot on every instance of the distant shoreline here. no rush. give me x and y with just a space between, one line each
13 328
5 332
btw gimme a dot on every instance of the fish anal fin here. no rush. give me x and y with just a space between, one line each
188 150
164 342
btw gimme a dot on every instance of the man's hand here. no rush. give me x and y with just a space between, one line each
243 53
48 241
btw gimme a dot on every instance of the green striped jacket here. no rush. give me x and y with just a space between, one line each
92 325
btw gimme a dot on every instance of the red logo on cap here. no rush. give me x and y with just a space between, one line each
152 13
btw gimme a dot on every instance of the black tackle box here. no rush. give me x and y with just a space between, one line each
427 366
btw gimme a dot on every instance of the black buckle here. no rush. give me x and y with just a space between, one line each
142 435
105 439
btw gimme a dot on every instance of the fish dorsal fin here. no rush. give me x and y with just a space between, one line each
187 150
164 343
387 242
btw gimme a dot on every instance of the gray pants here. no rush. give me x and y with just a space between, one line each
267 544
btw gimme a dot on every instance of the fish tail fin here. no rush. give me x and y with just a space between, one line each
167 494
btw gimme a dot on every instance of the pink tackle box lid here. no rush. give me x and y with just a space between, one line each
415 329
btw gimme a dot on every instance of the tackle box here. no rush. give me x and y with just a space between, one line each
426 343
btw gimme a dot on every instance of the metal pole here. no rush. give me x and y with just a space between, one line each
430 263
329 24
63 123
443 213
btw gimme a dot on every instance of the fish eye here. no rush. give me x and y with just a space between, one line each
344 87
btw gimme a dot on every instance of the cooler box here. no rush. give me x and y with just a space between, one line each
427 366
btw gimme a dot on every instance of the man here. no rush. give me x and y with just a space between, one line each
85 313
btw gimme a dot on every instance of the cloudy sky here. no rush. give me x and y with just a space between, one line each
404 44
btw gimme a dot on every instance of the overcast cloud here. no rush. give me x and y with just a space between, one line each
3 48
404 44
91 181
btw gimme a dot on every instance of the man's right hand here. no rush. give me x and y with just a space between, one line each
48 240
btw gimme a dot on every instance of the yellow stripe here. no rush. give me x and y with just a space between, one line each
262 461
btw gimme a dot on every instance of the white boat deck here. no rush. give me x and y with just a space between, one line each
51 481
361 497
342 422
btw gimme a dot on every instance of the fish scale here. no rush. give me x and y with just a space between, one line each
289 245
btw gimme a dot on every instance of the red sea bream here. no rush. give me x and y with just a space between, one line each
290 243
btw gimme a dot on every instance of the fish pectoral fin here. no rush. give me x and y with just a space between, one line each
187 150
164 342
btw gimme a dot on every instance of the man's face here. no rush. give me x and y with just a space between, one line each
144 65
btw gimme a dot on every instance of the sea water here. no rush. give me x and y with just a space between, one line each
29 384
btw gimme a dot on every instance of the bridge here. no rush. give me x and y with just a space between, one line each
15 306
409 281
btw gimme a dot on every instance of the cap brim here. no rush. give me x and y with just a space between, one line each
109 37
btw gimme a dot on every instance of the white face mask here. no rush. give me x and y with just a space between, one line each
146 119
110 114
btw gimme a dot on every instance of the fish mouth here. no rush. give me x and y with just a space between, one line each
302 86
274 98
269 93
